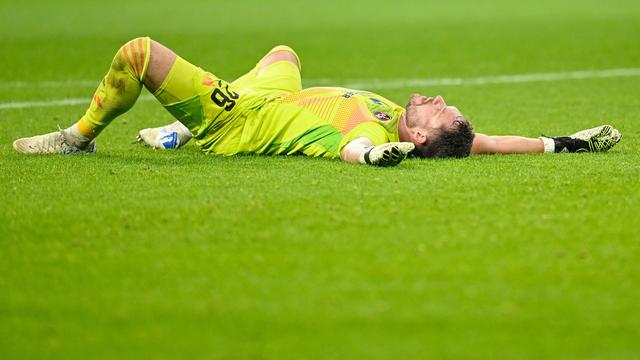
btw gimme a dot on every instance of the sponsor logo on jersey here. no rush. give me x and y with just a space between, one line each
381 115
350 93
378 105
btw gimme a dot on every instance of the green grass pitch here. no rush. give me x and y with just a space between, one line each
135 253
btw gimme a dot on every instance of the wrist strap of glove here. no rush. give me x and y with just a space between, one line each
549 144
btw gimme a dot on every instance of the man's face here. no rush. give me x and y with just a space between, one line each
432 114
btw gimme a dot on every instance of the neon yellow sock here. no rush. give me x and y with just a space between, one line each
119 89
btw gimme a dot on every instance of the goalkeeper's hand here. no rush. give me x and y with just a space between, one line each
597 139
389 154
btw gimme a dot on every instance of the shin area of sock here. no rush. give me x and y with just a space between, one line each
119 89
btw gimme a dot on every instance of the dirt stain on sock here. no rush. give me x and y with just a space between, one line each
117 84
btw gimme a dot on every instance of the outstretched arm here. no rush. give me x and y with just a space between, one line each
600 138
485 144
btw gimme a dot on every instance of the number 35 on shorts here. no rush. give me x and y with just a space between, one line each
223 97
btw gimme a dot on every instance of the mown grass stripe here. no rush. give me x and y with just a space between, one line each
353 83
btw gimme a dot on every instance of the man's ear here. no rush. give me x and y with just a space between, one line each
419 136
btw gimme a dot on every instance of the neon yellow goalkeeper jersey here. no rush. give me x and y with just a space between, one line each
352 113
320 121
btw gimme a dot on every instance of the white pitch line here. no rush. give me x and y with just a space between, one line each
354 83
49 84
498 79
53 103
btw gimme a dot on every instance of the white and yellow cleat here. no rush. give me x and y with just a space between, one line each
57 142
167 137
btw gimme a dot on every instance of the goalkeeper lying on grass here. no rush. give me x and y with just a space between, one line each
266 111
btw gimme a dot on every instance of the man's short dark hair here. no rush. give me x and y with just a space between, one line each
455 142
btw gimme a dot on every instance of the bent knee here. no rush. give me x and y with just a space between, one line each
280 53
135 54
139 45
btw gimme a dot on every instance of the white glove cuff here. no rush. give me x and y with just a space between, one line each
549 144
361 158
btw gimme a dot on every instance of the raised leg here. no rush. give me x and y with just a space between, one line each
139 62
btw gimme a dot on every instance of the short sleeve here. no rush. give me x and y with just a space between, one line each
371 130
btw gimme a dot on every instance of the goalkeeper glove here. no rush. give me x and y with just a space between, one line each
389 154
597 139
